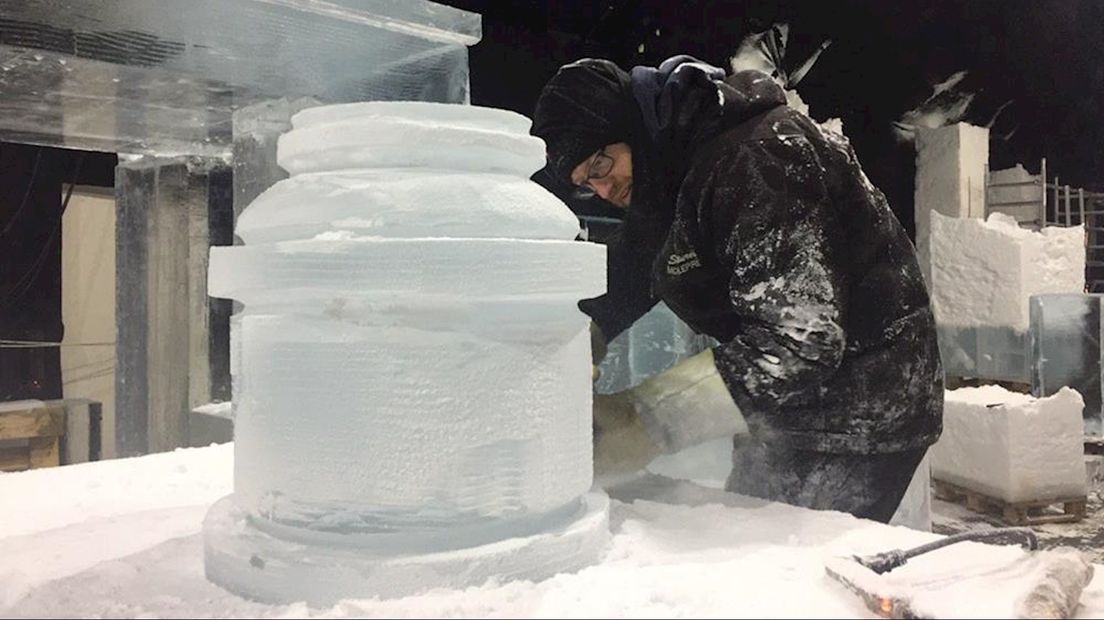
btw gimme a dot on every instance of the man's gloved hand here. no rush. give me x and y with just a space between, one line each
621 445
686 405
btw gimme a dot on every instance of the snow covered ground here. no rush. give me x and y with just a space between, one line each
122 539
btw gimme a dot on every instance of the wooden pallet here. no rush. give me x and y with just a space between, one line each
41 426
1094 445
1014 513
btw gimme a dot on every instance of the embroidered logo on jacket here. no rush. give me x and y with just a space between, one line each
678 264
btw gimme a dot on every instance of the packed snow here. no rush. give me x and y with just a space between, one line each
122 539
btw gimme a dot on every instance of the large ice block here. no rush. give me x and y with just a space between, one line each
411 371
1012 446
171 338
983 276
164 76
1065 350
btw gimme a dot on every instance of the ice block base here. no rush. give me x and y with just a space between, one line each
255 564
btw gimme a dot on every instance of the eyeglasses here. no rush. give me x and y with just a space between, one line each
599 168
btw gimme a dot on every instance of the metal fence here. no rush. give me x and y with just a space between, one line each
1036 203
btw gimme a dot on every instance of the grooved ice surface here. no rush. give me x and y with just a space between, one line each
411 371
419 427
1012 446
395 135
401 204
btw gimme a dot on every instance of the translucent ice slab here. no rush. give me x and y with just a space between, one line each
1065 347
164 76
654 343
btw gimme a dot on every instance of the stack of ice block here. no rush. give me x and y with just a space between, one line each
412 374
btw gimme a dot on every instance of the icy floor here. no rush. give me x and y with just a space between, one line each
122 539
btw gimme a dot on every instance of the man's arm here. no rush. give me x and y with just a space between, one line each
771 218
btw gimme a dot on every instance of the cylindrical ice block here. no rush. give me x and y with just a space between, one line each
412 374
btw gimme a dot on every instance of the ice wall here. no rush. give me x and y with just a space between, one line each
983 274
412 374
1012 446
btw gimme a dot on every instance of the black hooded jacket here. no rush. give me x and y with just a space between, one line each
779 247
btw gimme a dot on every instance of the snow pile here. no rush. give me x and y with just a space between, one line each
218 410
985 272
709 464
412 374
57 522
1012 446
678 550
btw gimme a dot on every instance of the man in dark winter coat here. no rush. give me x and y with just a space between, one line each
761 230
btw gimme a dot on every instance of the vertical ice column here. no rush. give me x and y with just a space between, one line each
950 179
172 356
412 374
256 131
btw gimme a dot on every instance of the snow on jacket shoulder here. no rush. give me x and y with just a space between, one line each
783 251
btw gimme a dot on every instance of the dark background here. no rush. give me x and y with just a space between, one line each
1047 56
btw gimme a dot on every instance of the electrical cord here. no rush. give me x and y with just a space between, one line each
889 560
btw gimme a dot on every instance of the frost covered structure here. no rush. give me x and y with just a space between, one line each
1012 446
983 274
950 179
412 375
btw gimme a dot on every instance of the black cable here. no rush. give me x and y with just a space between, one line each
26 194
889 560
28 278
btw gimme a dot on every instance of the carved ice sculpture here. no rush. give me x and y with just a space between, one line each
412 376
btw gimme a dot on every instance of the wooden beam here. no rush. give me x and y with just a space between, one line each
14 459
32 422
45 452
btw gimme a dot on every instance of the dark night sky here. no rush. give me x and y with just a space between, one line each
1045 55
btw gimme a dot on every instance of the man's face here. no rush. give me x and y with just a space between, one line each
608 173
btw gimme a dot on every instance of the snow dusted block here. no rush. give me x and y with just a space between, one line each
1012 446
983 276
985 272
412 377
